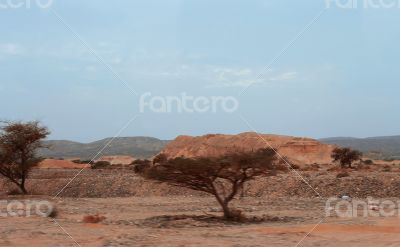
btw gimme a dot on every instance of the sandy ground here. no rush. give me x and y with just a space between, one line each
143 221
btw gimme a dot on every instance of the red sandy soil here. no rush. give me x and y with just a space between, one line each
59 164
159 221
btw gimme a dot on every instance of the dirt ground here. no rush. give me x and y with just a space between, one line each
180 221
110 183
143 213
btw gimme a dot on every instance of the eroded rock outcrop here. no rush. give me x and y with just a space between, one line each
297 150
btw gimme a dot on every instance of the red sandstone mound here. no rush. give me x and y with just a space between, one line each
59 164
297 150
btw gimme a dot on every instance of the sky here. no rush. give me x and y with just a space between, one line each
84 68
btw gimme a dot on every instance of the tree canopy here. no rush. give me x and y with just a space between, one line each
222 177
346 156
18 145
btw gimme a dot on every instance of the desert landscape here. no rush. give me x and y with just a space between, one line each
287 209
153 123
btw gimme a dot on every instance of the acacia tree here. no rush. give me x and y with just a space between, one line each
345 156
223 177
18 145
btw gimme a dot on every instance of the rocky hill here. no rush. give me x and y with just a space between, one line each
373 147
297 150
139 147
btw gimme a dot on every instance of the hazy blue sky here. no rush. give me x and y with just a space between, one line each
340 78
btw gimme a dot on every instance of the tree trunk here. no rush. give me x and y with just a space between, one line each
23 190
224 202
225 208
227 212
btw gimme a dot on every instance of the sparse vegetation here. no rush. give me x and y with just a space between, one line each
368 162
222 177
101 165
295 167
387 168
19 143
54 212
345 156
140 165
90 162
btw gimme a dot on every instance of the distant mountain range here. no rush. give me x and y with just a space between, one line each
146 147
385 147
138 147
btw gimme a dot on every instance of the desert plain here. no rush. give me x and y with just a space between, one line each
142 213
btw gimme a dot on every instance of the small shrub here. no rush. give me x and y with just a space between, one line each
93 219
295 167
343 175
387 168
101 165
140 165
90 162
368 162
54 213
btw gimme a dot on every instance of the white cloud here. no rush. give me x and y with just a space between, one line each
243 77
214 76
